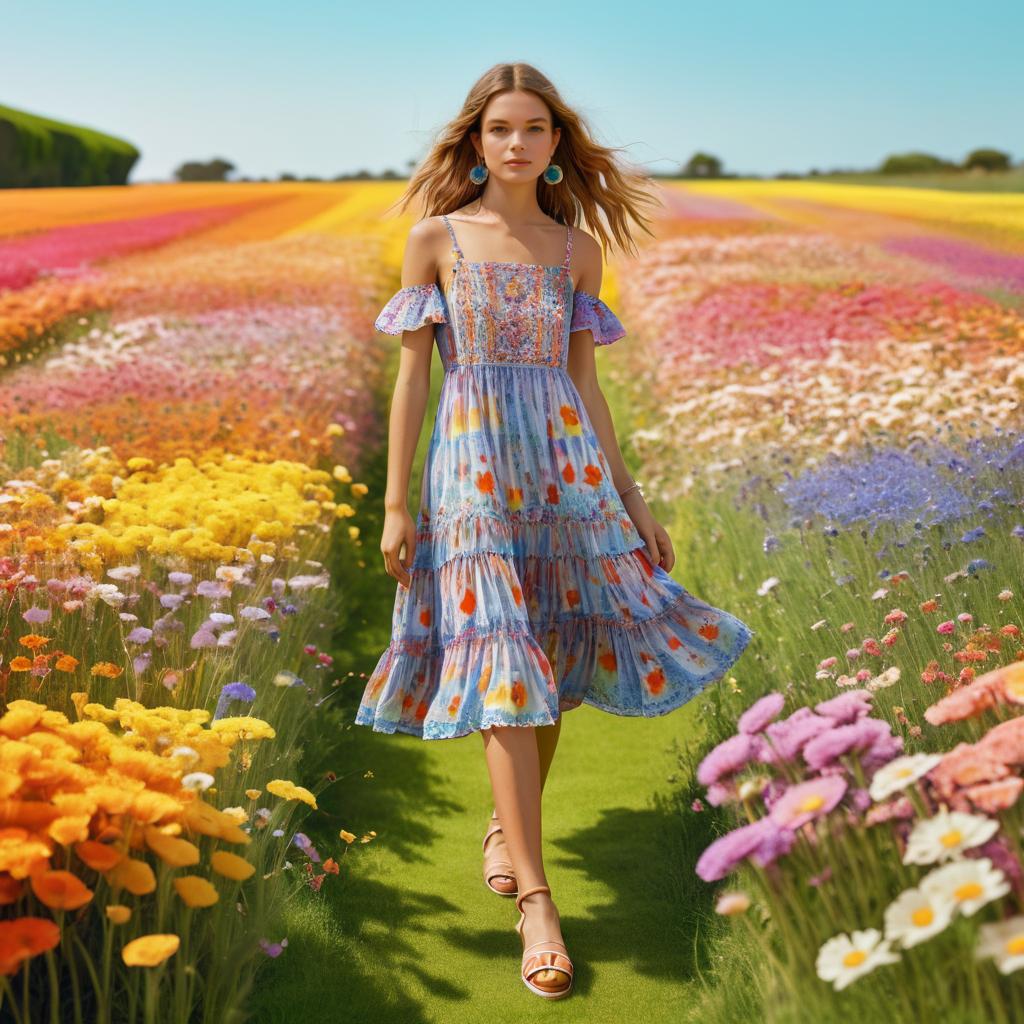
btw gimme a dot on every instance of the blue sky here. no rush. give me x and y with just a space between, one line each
320 88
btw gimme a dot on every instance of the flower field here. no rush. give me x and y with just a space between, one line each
831 383
188 396
824 393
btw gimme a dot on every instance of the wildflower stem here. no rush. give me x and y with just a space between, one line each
7 993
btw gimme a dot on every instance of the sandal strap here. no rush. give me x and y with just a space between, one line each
529 892
490 832
529 972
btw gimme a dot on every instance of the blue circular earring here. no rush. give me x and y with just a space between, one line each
553 174
478 174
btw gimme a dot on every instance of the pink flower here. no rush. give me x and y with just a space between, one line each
830 746
847 707
726 759
760 713
945 627
808 800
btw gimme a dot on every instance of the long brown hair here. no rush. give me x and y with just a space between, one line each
442 179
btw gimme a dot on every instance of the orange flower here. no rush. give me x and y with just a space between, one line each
66 663
60 890
107 669
519 694
425 617
10 889
607 661
453 705
709 631
33 641
134 875
98 856
592 474
468 603
552 494
23 938
196 891
485 482
568 473
119 913
21 664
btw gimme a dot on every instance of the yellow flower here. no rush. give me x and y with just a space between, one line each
289 791
230 865
134 875
347 836
150 950
177 853
119 913
196 891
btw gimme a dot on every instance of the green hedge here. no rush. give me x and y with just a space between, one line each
37 152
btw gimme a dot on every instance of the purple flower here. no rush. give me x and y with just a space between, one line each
36 614
727 758
230 692
179 579
846 707
722 856
789 736
808 800
775 845
140 635
760 713
830 746
305 844
273 949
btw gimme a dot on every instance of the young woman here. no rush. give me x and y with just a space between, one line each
535 577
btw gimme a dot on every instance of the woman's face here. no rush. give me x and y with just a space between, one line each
517 140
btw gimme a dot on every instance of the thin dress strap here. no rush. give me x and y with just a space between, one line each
455 241
568 247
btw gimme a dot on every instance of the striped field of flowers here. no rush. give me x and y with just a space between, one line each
828 383
187 394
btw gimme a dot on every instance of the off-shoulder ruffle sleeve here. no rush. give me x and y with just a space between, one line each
589 313
412 307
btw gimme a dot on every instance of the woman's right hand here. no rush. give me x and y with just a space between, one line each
399 532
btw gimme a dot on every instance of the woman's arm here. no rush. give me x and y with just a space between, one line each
582 367
408 406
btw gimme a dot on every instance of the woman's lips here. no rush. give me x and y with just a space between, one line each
517 163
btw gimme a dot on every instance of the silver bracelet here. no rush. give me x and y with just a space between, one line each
635 485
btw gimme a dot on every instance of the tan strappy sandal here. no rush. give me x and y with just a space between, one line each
545 959
496 865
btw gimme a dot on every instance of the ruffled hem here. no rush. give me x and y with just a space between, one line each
412 307
641 669
589 313
524 639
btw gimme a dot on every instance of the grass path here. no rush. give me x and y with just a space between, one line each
409 933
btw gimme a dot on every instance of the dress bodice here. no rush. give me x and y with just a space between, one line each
506 313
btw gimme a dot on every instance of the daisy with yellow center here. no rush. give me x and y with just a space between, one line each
900 772
1003 940
915 916
967 884
845 958
946 835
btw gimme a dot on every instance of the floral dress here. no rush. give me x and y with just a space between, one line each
530 591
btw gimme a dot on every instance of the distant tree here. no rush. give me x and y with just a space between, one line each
211 170
702 165
915 163
987 160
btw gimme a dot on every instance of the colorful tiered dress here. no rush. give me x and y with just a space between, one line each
530 591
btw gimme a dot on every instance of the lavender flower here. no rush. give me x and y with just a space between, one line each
789 736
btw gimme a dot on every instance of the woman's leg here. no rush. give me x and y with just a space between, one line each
547 742
513 760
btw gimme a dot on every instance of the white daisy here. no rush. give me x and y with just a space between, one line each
1003 940
946 835
916 915
969 883
901 772
844 958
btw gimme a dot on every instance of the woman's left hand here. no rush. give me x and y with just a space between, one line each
654 535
